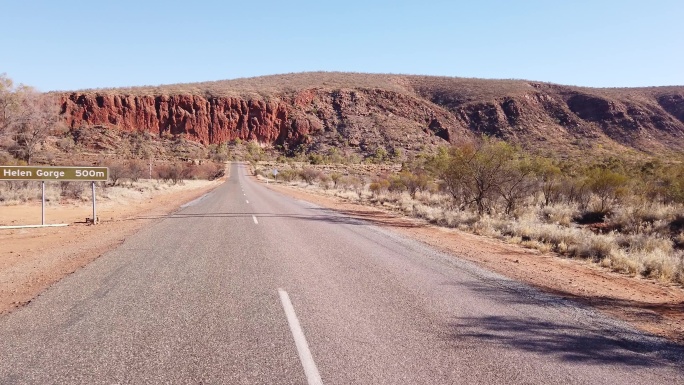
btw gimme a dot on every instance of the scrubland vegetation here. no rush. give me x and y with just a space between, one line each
123 175
31 132
60 193
624 212
626 215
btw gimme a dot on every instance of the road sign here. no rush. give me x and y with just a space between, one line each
54 173
275 172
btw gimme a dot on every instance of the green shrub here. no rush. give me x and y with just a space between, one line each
608 186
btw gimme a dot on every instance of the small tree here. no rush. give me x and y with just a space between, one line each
357 184
287 175
335 177
607 185
255 151
516 183
380 155
324 180
35 118
548 176
473 173
8 103
414 181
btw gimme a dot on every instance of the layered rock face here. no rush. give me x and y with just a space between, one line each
212 120
421 111
355 116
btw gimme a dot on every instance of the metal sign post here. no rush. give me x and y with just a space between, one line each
42 204
57 174
94 207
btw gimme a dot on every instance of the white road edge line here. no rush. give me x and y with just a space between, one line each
255 221
310 369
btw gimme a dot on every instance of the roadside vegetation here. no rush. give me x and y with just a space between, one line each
623 212
31 133
625 215
132 175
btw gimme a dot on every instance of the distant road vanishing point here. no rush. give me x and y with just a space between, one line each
246 286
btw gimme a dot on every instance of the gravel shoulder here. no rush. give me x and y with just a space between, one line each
649 305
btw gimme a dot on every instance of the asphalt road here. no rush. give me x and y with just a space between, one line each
246 286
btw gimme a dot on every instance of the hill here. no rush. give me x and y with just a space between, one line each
361 113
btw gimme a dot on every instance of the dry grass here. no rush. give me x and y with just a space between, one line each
447 91
274 85
644 248
19 193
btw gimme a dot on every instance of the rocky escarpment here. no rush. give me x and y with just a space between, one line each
363 119
207 120
365 112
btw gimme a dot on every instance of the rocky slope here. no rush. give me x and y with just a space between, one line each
363 112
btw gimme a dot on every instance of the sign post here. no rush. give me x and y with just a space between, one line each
58 174
42 203
94 208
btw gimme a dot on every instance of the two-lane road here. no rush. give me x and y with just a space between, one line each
246 286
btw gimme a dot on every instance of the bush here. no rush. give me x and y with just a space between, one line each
117 171
136 170
309 175
288 175
595 248
66 144
414 181
206 171
625 224
473 174
335 178
378 186
316 159
219 153
255 151
608 186
324 181
171 172
72 190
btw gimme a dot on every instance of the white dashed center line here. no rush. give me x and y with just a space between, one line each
310 369
247 201
255 221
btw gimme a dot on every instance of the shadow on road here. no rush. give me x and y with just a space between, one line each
565 342
589 339
347 217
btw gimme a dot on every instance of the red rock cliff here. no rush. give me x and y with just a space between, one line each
356 117
364 112
212 120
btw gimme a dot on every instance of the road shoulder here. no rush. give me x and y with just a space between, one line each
31 260
649 305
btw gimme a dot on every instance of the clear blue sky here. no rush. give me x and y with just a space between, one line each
68 45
